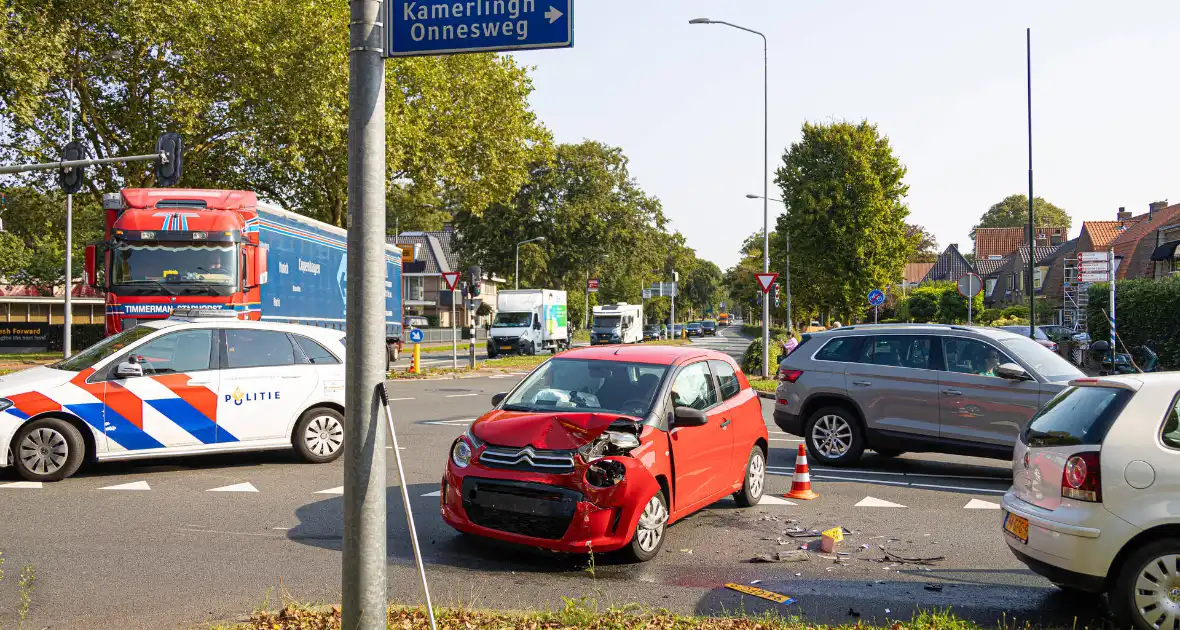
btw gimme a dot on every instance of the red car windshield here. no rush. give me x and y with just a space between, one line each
627 389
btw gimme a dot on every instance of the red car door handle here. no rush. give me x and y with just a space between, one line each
725 423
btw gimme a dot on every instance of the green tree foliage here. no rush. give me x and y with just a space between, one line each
702 290
1148 313
32 247
938 302
843 189
925 245
752 357
597 222
1013 212
259 92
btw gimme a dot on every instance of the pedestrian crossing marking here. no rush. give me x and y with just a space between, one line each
874 502
237 487
976 504
134 485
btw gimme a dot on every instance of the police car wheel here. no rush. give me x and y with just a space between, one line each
319 435
49 449
393 352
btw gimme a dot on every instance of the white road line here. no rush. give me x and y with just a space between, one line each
336 490
450 423
938 487
282 529
221 531
397 399
436 493
976 504
840 471
461 395
769 500
22 485
237 487
876 481
134 485
874 502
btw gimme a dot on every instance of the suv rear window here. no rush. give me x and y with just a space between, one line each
839 349
1076 416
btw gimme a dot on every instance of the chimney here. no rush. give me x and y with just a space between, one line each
447 227
1155 206
1123 214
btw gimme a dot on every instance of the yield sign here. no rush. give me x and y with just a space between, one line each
451 278
766 280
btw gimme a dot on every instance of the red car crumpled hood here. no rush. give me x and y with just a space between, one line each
555 431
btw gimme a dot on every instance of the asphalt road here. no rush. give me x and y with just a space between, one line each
191 540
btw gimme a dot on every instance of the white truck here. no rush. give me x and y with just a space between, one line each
529 321
617 323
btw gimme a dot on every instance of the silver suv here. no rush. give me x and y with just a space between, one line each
918 388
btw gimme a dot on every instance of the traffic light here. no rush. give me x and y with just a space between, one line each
776 295
475 280
73 178
168 167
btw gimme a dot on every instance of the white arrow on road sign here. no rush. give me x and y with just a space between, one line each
553 15
766 280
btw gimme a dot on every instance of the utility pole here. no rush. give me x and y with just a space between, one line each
363 577
1032 242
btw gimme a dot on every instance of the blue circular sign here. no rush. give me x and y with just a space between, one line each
876 297
416 336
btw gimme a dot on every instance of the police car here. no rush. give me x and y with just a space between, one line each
198 382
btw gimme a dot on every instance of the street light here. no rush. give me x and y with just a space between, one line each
517 276
787 266
765 183
68 307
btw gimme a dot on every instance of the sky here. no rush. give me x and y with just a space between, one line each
945 81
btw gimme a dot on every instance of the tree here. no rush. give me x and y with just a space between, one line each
596 221
925 245
843 187
261 104
32 247
1013 212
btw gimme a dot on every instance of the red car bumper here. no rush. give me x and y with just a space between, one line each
558 512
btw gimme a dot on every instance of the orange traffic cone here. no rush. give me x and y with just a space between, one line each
801 484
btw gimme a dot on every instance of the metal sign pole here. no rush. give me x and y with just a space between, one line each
455 335
1113 324
970 304
364 557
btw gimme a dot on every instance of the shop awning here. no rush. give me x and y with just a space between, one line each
1165 251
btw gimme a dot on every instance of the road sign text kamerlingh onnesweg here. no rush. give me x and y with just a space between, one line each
434 27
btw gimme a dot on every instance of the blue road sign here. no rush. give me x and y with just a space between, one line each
439 27
876 297
416 336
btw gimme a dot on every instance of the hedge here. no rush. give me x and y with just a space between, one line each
752 359
1147 311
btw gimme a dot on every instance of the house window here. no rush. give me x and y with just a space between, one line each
1039 278
1011 282
990 286
415 288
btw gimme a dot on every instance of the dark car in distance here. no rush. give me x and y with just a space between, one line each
693 329
709 328
651 332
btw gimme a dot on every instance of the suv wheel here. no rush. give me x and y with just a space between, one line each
1148 584
834 437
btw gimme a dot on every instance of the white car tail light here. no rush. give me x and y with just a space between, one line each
1081 479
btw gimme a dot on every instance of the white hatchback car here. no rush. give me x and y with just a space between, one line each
1095 498
191 384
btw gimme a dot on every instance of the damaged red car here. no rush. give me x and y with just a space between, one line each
600 449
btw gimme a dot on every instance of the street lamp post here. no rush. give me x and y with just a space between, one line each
517 276
787 263
765 182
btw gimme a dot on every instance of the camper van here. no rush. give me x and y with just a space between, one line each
617 323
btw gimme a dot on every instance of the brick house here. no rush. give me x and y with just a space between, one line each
1166 249
999 243
1134 248
913 274
950 265
423 288
1008 284
1096 236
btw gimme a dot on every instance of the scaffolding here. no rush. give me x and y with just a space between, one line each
1076 296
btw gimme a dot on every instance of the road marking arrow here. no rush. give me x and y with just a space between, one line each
436 493
26 485
872 502
134 485
237 487
976 504
336 490
553 14
769 500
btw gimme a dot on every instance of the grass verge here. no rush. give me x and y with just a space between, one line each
463 348
764 384
578 614
28 357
